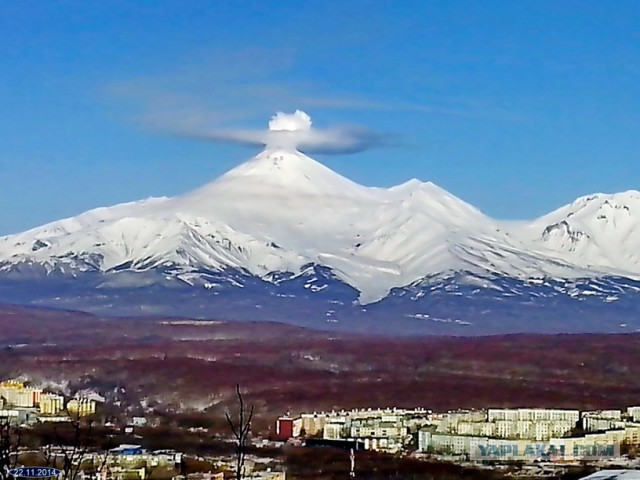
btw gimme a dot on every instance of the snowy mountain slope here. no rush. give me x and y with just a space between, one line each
282 212
600 231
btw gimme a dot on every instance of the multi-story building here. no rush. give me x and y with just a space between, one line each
634 413
377 429
449 422
603 445
382 428
335 429
81 407
51 404
600 420
535 424
17 394
464 444
14 393
380 435
609 414
505 428
532 414
312 424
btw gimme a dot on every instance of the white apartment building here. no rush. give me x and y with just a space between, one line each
608 414
449 423
505 428
610 441
334 430
592 424
466 444
532 429
532 414
17 394
599 420
634 413
571 448
18 397
534 424
379 430
484 429
554 428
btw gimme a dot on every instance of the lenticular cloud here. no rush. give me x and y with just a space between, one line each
294 131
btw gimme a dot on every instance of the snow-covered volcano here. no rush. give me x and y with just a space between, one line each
282 216
282 210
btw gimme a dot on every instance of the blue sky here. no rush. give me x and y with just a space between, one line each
516 107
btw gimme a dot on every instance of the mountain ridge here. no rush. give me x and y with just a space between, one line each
271 201
280 212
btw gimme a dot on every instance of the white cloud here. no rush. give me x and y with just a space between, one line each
290 122
201 99
295 132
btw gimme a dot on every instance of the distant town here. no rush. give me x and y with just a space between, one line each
526 434
27 404
74 448
541 441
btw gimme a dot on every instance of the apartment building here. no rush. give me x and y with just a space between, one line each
311 423
634 413
81 407
51 404
532 414
17 394
335 429
595 445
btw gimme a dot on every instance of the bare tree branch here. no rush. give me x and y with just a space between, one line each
74 454
10 442
241 431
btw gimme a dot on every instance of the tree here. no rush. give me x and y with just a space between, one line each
72 446
241 430
10 440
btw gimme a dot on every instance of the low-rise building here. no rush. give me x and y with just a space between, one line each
267 475
19 416
138 421
284 428
54 418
